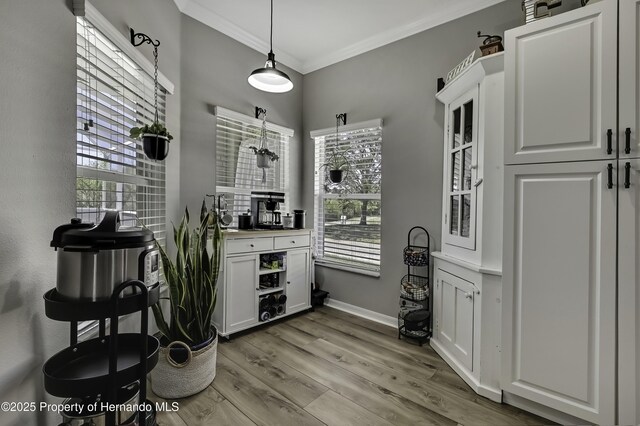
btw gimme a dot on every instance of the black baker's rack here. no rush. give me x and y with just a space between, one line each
107 363
414 318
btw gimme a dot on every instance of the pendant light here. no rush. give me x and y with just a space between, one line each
270 79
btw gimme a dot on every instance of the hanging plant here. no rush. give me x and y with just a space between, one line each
155 140
264 156
337 163
155 137
336 166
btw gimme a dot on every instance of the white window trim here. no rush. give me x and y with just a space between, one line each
341 267
227 113
329 131
104 26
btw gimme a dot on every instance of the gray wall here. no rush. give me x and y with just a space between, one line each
214 73
397 83
38 170
37 136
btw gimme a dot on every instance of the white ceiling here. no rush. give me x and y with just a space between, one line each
312 34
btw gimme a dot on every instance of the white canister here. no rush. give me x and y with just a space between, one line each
287 221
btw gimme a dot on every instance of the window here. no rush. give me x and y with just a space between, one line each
348 215
236 171
113 95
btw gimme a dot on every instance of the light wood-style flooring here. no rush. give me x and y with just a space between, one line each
330 367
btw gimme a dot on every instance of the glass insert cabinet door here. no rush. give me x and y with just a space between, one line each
461 167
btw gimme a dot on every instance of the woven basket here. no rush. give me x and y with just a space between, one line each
171 380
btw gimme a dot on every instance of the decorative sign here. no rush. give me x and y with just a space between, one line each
460 67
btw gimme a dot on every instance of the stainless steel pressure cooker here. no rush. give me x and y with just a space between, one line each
94 260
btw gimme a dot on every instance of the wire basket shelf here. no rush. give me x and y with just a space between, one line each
414 323
414 287
416 255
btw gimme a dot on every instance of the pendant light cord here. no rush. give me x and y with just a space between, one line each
271 30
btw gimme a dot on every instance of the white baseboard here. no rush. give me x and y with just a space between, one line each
362 312
479 388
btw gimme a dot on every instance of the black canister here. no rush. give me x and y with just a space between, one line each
298 219
244 221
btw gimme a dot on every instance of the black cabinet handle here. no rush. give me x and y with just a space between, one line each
627 175
609 176
627 139
609 145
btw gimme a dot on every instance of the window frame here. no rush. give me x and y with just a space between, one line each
278 133
142 174
319 137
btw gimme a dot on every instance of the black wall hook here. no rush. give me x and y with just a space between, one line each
342 117
143 39
260 111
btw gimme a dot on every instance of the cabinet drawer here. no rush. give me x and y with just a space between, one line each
291 241
248 245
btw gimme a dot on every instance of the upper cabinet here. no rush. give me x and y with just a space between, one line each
561 76
472 181
629 73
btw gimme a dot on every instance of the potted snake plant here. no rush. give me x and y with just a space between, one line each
187 362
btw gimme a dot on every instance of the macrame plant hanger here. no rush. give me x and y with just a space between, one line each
263 142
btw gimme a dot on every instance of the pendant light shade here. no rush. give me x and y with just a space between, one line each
270 79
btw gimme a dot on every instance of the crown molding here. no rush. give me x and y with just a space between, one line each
198 11
466 8
181 4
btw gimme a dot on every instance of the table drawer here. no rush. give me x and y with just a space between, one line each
248 245
291 241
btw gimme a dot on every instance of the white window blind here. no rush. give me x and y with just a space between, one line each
237 173
113 95
348 215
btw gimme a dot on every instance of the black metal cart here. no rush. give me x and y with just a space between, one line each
414 318
106 364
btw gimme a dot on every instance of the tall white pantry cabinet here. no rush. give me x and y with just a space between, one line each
570 309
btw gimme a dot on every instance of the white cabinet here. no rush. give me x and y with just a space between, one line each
559 304
242 277
571 318
454 323
629 292
467 270
629 74
246 280
461 151
298 281
560 80
472 163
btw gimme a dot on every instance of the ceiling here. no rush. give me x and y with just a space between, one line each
312 34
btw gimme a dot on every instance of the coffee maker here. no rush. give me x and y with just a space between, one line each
265 208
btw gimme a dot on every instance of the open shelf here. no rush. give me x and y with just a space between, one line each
83 369
264 271
269 290
58 308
